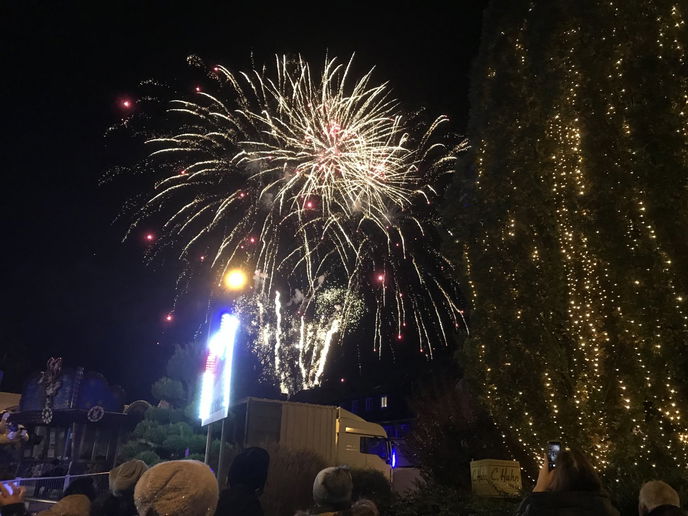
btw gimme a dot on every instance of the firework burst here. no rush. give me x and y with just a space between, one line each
316 184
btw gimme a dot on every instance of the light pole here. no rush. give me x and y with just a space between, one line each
217 376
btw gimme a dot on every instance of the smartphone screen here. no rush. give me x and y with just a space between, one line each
553 449
8 487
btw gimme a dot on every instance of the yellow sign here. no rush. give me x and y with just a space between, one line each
490 477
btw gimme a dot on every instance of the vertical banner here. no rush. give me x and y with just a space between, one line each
216 382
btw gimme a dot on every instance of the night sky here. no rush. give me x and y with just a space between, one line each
70 287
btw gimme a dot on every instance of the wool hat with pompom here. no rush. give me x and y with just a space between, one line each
332 489
72 505
177 487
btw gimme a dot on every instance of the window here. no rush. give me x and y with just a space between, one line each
383 401
374 446
369 404
354 406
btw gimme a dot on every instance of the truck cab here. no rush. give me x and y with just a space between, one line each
362 444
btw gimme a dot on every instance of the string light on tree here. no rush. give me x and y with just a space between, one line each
575 264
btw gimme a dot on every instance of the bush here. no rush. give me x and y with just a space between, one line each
175 445
373 485
149 457
165 416
440 500
169 390
197 444
181 428
168 432
150 431
131 449
290 480
231 451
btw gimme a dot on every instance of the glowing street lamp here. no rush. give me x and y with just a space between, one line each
236 279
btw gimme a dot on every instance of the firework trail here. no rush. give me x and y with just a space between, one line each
316 184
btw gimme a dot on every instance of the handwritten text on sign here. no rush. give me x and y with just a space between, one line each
491 477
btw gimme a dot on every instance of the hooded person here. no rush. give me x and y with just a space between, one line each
120 500
332 490
177 487
247 476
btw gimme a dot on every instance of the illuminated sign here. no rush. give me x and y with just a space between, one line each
217 376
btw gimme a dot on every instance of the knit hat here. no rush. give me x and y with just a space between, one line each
332 488
72 505
177 487
250 469
123 478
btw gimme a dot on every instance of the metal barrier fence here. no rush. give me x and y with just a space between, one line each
51 489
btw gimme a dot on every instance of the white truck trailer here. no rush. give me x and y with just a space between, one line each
337 435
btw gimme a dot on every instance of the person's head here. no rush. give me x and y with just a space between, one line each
123 478
82 485
332 489
656 493
250 469
72 505
364 507
180 487
573 472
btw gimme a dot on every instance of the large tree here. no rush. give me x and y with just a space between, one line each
172 429
573 229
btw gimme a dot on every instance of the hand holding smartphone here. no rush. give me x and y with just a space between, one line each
11 493
553 449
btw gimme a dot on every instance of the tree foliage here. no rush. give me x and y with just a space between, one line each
172 430
451 430
572 233
169 390
185 365
371 484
